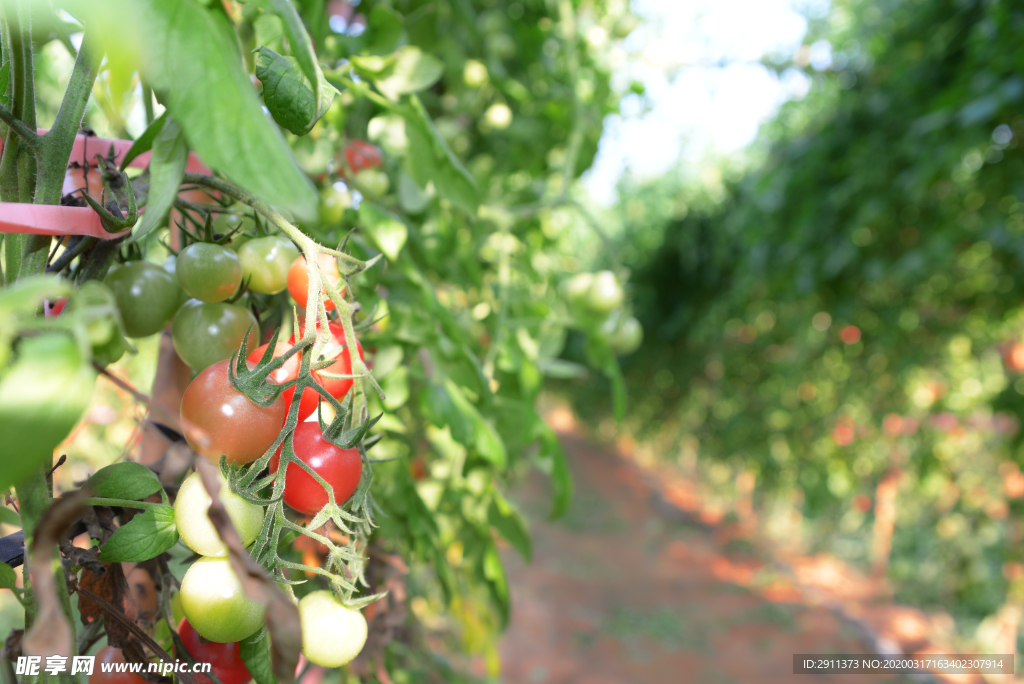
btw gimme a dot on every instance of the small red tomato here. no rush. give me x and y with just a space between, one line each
290 370
218 419
340 468
106 656
298 279
225 659
361 155
54 308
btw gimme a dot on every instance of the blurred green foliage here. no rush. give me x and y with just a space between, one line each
848 306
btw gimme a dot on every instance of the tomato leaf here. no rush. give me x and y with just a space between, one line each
288 93
147 535
552 459
128 480
189 55
384 228
385 29
510 525
448 405
8 578
497 584
255 652
166 169
144 143
431 160
9 517
412 71
43 395
305 56
5 77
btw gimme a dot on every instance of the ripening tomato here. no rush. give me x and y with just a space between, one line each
340 468
218 419
332 633
52 309
147 296
214 603
605 293
225 659
265 263
298 279
210 273
204 334
106 656
193 523
361 155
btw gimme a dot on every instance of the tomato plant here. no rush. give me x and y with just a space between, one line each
298 280
208 272
266 262
340 468
225 658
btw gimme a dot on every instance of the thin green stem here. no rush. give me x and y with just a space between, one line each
123 503
27 135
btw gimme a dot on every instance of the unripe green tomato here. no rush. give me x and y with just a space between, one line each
204 334
146 295
105 336
194 526
210 273
605 293
265 263
171 266
332 634
627 336
214 603
373 183
333 204
577 287
225 224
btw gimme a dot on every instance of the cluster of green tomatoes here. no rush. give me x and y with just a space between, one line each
600 295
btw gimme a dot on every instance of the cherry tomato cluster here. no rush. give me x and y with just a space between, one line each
600 295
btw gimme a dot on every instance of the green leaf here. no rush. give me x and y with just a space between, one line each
5 77
384 228
166 169
189 55
127 480
497 583
288 93
144 143
43 395
553 459
149 534
302 50
8 578
510 525
430 160
255 652
9 517
372 66
385 29
469 428
412 71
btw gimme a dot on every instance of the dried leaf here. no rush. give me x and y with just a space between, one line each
282 615
112 587
83 558
50 633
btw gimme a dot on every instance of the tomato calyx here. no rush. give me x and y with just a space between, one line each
253 383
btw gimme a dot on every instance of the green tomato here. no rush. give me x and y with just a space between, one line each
171 266
576 288
43 394
627 336
265 263
214 603
373 183
332 634
104 328
225 224
204 334
146 295
605 293
208 272
333 204
194 524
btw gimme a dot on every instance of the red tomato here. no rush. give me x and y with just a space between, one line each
226 661
218 419
54 308
340 468
361 155
290 370
298 279
106 656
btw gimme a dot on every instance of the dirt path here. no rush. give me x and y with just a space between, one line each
622 591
